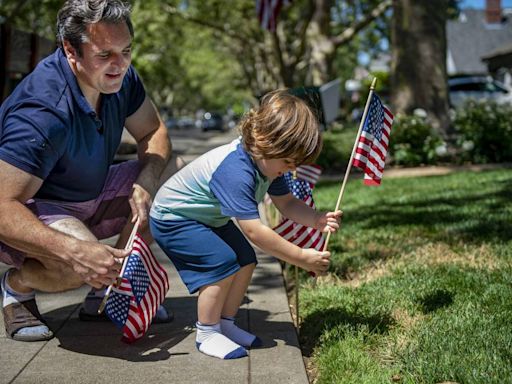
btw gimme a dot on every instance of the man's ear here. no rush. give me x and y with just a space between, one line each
70 51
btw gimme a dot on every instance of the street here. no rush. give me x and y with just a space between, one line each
192 142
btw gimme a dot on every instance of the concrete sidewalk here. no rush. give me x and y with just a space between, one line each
93 353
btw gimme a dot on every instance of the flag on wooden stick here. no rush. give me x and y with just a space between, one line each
373 143
133 303
298 234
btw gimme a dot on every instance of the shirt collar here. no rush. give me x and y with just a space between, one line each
73 84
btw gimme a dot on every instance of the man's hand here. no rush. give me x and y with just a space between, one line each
140 203
328 221
97 263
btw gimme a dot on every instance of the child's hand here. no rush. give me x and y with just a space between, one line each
315 261
328 221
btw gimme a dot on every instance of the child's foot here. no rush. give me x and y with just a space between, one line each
238 335
212 342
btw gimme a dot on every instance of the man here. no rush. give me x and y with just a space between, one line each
59 192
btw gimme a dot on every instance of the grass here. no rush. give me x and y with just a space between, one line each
420 288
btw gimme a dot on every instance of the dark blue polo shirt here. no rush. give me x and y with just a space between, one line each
48 129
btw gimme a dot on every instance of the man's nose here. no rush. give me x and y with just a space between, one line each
120 61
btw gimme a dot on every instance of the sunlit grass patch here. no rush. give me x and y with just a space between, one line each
420 288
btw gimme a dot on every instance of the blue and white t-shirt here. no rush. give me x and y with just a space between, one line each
221 184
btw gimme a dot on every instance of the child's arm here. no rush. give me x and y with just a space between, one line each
296 210
270 242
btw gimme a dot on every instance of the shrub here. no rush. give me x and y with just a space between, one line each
414 142
337 148
484 132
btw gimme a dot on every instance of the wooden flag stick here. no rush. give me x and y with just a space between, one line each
297 319
129 245
349 167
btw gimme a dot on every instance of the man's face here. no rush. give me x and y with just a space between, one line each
105 58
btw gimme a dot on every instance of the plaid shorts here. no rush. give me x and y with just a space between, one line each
105 216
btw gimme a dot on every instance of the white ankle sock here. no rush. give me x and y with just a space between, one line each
237 334
10 296
212 342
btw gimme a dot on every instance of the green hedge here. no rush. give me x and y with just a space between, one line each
483 135
484 132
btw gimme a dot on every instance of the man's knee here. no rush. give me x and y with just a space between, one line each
73 227
49 276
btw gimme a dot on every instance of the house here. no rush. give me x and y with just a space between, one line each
499 63
478 39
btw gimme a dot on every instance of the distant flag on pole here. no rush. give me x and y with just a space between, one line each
298 234
134 302
373 143
268 12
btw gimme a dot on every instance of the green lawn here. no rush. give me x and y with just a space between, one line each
420 289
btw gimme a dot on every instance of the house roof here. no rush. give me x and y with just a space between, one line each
470 38
502 50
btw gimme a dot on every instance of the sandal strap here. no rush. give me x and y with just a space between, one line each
21 315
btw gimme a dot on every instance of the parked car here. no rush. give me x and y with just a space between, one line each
212 121
171 123
477 88
185 123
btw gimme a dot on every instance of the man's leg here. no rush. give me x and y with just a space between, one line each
104 224
49 275
21 316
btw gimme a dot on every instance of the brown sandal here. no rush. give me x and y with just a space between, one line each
22 315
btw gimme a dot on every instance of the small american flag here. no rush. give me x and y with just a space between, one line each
268 11
144 284
298 234
310 173
373 143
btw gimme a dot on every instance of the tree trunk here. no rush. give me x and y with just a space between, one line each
418 78
322 48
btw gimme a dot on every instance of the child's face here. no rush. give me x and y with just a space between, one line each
273 168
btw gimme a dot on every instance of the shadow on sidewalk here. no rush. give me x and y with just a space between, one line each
161 342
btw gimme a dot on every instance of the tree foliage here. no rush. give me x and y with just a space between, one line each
214 54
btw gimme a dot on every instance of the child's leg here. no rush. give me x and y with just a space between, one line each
234 298
209 338
237 290
212 299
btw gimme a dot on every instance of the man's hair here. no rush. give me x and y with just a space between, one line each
75 15
283 126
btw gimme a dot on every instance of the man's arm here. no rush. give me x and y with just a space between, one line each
20 229
154 150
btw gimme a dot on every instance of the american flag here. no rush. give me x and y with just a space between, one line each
310 173
144 284
373 143
268 11
298 234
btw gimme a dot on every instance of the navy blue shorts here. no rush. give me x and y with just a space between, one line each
201 254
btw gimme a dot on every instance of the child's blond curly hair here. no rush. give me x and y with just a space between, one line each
283 126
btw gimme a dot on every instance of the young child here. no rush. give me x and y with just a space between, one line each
191 216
